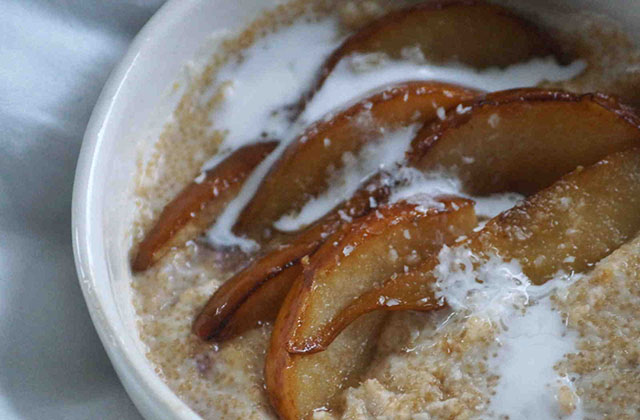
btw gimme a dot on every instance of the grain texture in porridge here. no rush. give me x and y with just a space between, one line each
603 308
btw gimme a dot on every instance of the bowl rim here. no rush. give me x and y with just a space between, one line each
147 390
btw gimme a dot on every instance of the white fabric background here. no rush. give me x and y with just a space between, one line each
55 55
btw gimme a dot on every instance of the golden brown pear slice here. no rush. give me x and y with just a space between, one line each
567 227
357 258
198 205
304 169
254 295
523 140
473 33
297 384
262 305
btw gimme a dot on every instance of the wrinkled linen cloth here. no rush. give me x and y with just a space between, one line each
55 56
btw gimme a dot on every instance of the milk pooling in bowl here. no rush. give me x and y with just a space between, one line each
353 78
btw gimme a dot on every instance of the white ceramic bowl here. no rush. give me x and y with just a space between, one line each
127 118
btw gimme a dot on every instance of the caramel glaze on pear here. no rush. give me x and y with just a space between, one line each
474 33
523 140
357 257
254 295
199 204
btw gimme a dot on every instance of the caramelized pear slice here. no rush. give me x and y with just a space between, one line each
198 205
385 243
262 305
305 167
523 140
298 384
476 34
355 259
567 227
254 295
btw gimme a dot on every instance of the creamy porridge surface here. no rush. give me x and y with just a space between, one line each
446 364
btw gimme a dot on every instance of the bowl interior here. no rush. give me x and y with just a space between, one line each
135 103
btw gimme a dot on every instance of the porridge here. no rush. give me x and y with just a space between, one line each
406 210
